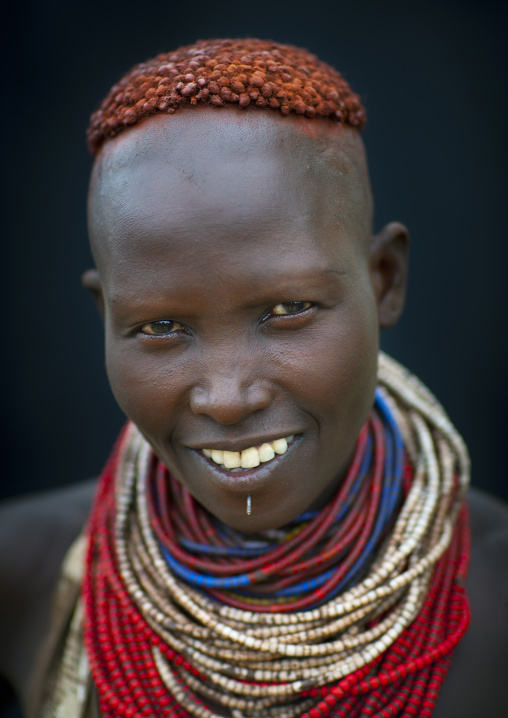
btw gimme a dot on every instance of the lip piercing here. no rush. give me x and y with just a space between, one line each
249 504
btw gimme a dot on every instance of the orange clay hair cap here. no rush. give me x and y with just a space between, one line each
245 73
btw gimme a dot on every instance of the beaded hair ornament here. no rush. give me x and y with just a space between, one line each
352 611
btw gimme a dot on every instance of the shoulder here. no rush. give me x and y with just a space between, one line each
488 573
35 533
488 514
476 681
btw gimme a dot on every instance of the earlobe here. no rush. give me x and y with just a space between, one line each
91 281
388 270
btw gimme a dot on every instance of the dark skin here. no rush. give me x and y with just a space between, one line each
222 259
200 268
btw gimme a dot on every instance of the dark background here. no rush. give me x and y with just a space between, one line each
433 78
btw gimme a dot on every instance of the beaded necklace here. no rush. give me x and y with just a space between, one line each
351 611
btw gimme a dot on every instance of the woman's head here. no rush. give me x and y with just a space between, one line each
242 293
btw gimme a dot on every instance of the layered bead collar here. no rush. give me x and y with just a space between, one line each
352 611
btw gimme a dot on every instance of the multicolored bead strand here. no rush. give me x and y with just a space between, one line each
352 611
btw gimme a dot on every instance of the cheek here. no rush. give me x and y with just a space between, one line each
335 374
147 389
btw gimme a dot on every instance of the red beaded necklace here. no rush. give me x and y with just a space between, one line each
403 681
260 630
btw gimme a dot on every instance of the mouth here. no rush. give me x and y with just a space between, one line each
242 469
250 457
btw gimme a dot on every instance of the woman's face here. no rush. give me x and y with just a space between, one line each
239 303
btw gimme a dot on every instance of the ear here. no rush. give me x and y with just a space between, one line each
91 281
388 271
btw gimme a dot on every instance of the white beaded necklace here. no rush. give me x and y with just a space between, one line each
297 651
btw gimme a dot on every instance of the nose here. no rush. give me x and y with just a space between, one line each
229 395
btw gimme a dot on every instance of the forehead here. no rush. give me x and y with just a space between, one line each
226 176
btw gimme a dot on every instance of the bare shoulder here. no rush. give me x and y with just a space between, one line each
35 533
476 683
489 517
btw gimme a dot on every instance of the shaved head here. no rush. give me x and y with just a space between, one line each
199 164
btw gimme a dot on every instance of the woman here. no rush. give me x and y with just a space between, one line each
281 529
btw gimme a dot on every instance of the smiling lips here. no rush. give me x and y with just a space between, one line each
251 457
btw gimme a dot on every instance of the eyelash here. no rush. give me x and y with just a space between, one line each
298 313
162 334
267 316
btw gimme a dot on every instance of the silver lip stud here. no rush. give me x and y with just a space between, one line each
249 505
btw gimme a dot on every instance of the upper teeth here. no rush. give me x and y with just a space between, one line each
249 458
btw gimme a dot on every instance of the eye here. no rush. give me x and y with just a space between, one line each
161 327
288 308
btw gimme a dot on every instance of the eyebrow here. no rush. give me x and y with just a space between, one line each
287 282
306 275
